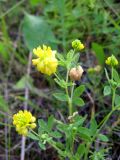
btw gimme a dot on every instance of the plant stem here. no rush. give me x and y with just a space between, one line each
113 98
67 93
70 101
34 133
87 151
112 73
106 119
57 76
72 89
113 90
69 98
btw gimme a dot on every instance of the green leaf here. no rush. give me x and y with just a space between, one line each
116 75
70 56
32 136
59 83
78 101
80 151
60 96
79 120
107 90
106 73
117 100
3 51
62 127
85 133
42 124
62 83
41 145
3 104
50 123
99 52
37 32
56 134
60 5
23 82
103 138
78 91
75 59
62 60
60 57
35 2
93 126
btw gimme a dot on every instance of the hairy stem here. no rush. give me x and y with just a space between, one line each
69 98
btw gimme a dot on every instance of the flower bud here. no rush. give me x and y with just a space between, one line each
74 128
44 136
112 61
33 119
95 69
76 73
33 125
77 45
98 68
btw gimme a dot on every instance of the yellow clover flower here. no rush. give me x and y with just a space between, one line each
77 45
24 121
112 61
46 62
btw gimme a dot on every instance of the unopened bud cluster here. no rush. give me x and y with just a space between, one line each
77 45
95 69
112 61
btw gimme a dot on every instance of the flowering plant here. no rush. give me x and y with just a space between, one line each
79 139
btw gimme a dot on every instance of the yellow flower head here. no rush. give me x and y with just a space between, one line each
46 62
112 61
24 121
77 45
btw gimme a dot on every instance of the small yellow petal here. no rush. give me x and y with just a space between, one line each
33 125
33 119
